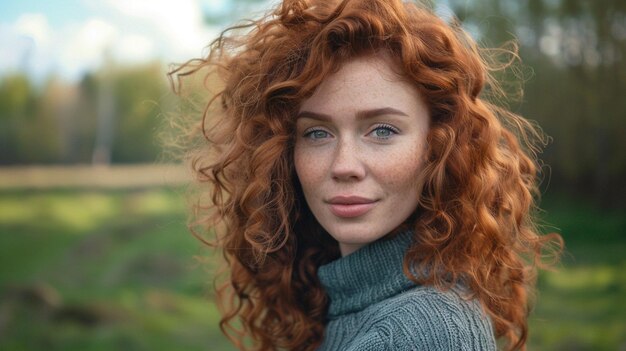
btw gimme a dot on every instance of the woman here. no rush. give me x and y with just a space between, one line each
365 195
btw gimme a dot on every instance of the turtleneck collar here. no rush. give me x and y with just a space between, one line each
367 276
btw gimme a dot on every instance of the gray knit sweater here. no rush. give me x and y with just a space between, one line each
374 306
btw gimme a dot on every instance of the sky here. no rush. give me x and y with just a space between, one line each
68 38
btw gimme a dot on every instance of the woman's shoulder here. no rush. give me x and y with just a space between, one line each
431 319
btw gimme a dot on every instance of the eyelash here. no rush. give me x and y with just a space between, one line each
309 133
391 128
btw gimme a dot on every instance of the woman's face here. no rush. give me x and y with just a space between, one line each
360 146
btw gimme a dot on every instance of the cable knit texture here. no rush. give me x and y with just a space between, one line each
374 306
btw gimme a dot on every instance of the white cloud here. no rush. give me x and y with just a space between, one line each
25 44
35 26
88 41
134 48
30 44
13 48
126 31
80 47
176 27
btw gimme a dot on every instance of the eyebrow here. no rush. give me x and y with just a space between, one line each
362 114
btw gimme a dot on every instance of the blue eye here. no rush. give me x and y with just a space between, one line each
384 131
316 134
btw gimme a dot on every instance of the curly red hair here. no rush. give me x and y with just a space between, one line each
474 223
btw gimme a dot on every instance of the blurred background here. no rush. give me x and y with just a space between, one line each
94 250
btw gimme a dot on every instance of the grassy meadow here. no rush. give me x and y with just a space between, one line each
103 270
118 270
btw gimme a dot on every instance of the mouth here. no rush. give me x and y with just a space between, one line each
350 206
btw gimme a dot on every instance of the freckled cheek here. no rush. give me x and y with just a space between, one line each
400 171
309 168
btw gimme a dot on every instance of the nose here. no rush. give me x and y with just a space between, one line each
347 164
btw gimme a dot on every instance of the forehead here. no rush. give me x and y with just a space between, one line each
364 69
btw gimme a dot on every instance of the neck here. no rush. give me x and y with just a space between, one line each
347 249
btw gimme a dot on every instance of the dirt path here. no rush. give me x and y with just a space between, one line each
87 176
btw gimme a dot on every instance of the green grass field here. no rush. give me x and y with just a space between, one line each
118 270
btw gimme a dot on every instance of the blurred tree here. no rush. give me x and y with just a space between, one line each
16 96
26 135
84 121
58 121
576 49
138 93
105 114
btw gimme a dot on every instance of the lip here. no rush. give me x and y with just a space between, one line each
350 206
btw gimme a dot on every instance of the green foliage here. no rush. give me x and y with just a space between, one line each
26 133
